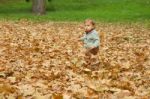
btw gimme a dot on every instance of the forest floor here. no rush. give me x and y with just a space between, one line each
43 60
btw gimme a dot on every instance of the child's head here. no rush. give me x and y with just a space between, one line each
89 25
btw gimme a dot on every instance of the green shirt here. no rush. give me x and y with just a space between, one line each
91 39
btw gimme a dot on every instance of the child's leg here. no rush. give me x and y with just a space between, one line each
95 61
92 58
87 58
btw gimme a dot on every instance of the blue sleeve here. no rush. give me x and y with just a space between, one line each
82 38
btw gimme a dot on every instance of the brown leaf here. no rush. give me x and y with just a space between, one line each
57 96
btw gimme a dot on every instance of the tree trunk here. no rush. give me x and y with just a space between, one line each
39 7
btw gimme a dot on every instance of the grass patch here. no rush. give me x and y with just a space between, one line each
78 10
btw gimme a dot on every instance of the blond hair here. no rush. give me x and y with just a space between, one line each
90 21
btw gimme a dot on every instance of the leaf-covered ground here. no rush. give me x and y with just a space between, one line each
44 61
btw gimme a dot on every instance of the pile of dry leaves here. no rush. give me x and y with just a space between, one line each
44 61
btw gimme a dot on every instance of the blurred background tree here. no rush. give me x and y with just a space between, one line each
38 7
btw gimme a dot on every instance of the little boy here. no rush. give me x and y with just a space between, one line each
91 42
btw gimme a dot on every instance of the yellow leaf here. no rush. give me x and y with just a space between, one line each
57 96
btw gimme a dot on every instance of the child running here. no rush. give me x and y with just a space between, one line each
91 42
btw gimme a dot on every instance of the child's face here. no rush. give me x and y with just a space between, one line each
88 26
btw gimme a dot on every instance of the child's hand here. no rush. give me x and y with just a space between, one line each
81 27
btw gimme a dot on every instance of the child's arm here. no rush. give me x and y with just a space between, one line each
81 38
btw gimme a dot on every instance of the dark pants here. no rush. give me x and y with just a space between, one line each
92 57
